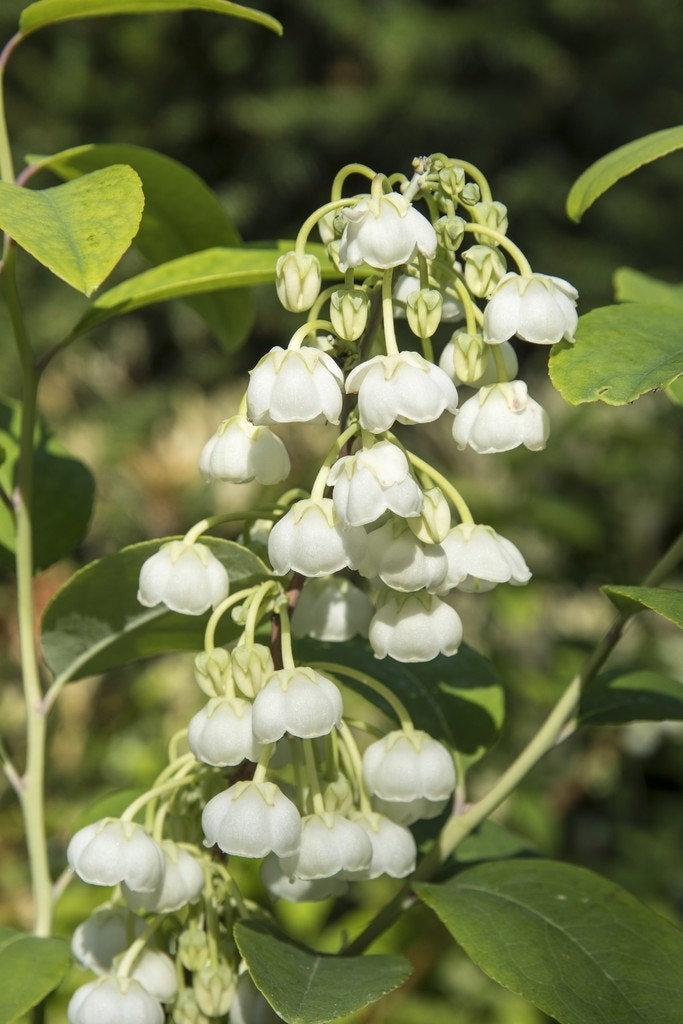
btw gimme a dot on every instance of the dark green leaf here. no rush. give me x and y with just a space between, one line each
665 602
63 493
95 622
609 169
577 946
632 286
311 988
80 230
621 352
182 215
491 841
612 699
30 969
47 12
457 699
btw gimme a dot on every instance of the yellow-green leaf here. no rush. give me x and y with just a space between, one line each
609 169
633 286
48 12
80 230
30 969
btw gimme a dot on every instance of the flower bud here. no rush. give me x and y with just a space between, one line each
493 215
423 311
251 667
450 231
193 948
452 180
212 672
214 988
471 194
297 280
434 522
186 1010
349 312
484 267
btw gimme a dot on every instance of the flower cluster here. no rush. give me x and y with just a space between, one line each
269 768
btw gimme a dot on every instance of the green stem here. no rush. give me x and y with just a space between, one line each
346 172
446 486
388 313
504 243
396 705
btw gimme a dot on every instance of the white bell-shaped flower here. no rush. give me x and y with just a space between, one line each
414 627
501 417
311 540
330 844
281 886
535 307
251 819
384 231
373 481
298 701
332 609
111 1000
479 558
187 578
111 851
249 1006
156 972
402 561
182 883
407 812
295 386
240 452
103 936
404 387
393 847
408 766
220 734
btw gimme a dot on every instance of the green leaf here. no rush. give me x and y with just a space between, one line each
456 699
23 985
662 600
613 698
633 286
63 493
609 169
621 352
311 988
182 215
80 230
575 945
205 271
675 391
48 12
109 805
95 623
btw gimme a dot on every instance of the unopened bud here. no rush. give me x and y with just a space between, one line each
470 194
214 988
193 949
186 1010
423 311
484 267
465 358
452 180
450 232
297 279
251 666
212 672
493 215
434 522
349 312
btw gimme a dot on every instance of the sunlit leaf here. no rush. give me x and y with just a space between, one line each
621 352
575 945
63 492
662 600
312 988
615 698
182 215
633 286
609 169
80 230
95 623
47 12
30 969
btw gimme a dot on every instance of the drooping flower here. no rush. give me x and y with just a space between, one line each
111 851
251 819
384 231
240 452
373 481
501 417
249 1006
220 734
187 578
281 886
156 972
103 936
408 766
537 308
298 701
295 386
332 609
414 627
393 847
110 1000
479 558
330 844
311 540
404 387
401 561
181 883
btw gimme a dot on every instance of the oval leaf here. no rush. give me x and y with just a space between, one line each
47 12
95 623
23 986
662 600
613 699
633 286
620 353
182 215
575 945
80 230
311 988
63 493
616 165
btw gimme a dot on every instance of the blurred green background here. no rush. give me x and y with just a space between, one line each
530 91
